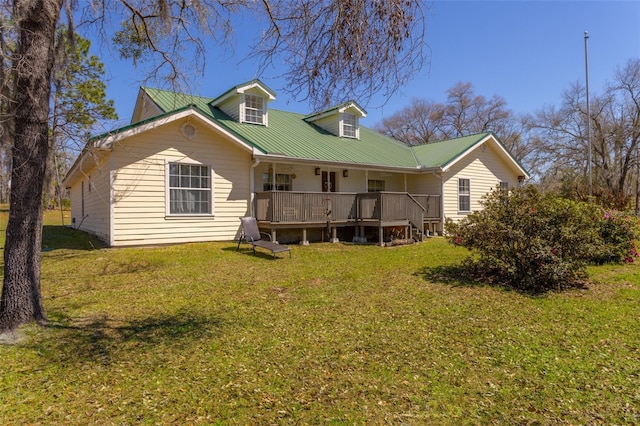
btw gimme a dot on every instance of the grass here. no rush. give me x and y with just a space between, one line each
339 334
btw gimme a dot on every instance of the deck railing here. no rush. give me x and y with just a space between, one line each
390 207
431 204
289 206
319 207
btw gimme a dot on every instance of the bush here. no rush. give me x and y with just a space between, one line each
618 232
537 242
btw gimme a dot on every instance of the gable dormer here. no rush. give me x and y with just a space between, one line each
246 103
342 120
145 107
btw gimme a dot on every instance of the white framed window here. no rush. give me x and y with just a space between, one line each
349 125
504 187
464 195
189 189
253 109
284 182
375 185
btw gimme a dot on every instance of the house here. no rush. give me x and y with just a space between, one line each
187 167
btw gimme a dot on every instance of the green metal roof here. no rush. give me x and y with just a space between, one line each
440 154
170 101
290 135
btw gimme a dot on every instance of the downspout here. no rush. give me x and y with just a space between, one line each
256 162
441 204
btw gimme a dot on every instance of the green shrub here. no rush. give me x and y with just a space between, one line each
618 231
537 242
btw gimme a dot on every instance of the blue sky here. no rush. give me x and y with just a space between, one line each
528 52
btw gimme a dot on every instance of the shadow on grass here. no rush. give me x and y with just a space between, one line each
99 339
463 275
248 250
62 237
455 275
466 275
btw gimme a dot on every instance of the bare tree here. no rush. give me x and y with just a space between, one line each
560 135
463 113
418 123
333 48
333 51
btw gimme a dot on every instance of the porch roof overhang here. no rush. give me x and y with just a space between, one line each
284 159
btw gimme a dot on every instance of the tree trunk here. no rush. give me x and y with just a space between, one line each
21 296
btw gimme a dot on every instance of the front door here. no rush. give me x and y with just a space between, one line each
328 181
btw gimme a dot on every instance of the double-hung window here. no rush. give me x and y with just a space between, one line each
349 125
253 109
464 195
189 189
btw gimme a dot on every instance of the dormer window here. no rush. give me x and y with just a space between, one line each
349 125
246 103
342 120
253 109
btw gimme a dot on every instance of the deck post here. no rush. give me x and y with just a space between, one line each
381 236
304 241
273 235
334 236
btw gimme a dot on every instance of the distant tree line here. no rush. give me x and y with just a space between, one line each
551 143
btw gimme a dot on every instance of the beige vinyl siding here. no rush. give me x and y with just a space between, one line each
96 201
330 123
305 179
393 182
355 182
485 169
231 107
426 183
140 193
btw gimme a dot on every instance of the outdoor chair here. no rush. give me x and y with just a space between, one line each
252 235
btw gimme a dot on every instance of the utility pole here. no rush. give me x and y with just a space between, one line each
586 70
637 210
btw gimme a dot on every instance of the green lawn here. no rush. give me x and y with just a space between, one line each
339 334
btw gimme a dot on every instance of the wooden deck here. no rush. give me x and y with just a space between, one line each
306 210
